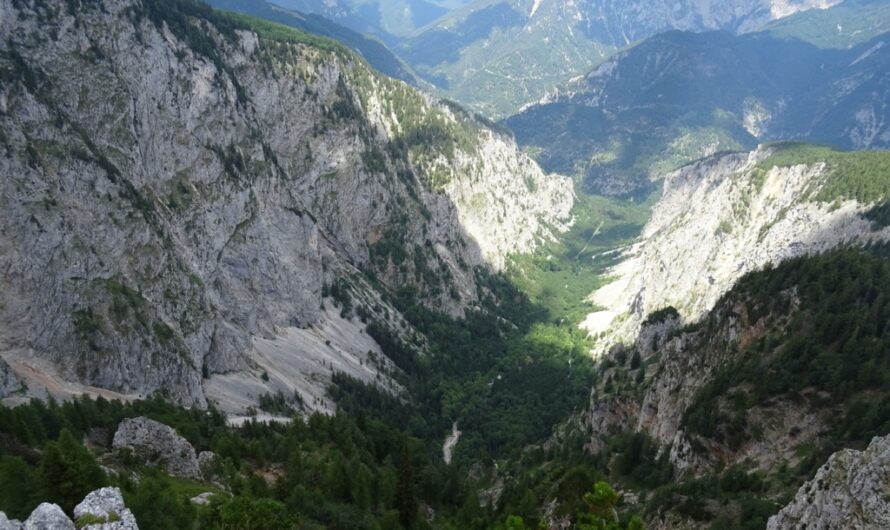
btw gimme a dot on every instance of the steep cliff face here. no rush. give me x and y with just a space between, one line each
728 215
789 367
179 187
852 490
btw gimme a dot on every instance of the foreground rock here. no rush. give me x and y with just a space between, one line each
104 509
48 517
9 524
157 444
852 490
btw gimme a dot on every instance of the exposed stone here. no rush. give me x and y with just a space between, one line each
717 220
106 504
48 517
852 490
9 524
202 499
157 444
230 197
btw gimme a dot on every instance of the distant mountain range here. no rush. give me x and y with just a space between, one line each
497 55
374 51
388 20
680 96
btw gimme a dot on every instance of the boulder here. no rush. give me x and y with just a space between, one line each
157 444
104 509
48 517
9 524
202 499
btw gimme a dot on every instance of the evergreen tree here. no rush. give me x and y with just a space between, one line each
19 487
69 471
154 504
406 502
514 522
601 514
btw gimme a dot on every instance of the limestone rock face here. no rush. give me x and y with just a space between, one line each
185 210
157 444
48 517
107 504
717 220
852 490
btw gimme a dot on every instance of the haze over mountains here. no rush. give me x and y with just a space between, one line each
433 265
678 97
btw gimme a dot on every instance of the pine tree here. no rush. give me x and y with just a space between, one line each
406 502
19 487
68 471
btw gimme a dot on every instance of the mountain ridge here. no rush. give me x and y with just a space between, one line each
236 192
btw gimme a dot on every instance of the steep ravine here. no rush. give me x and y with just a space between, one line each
195 209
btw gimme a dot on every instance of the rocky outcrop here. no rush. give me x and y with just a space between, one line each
157 444
719 392
187 205
852 490
9 524
104 509
48 517
717 220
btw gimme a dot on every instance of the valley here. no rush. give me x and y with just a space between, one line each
397 264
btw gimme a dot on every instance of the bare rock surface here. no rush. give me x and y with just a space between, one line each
48 516
105 504
202 498
187 217
9 524
851 491
157 444
717 220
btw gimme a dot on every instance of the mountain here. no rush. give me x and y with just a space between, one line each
844 25
219 208
840 484
255 283
370 49
745 404
745 343
725 216
681 96
389 20
497 56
